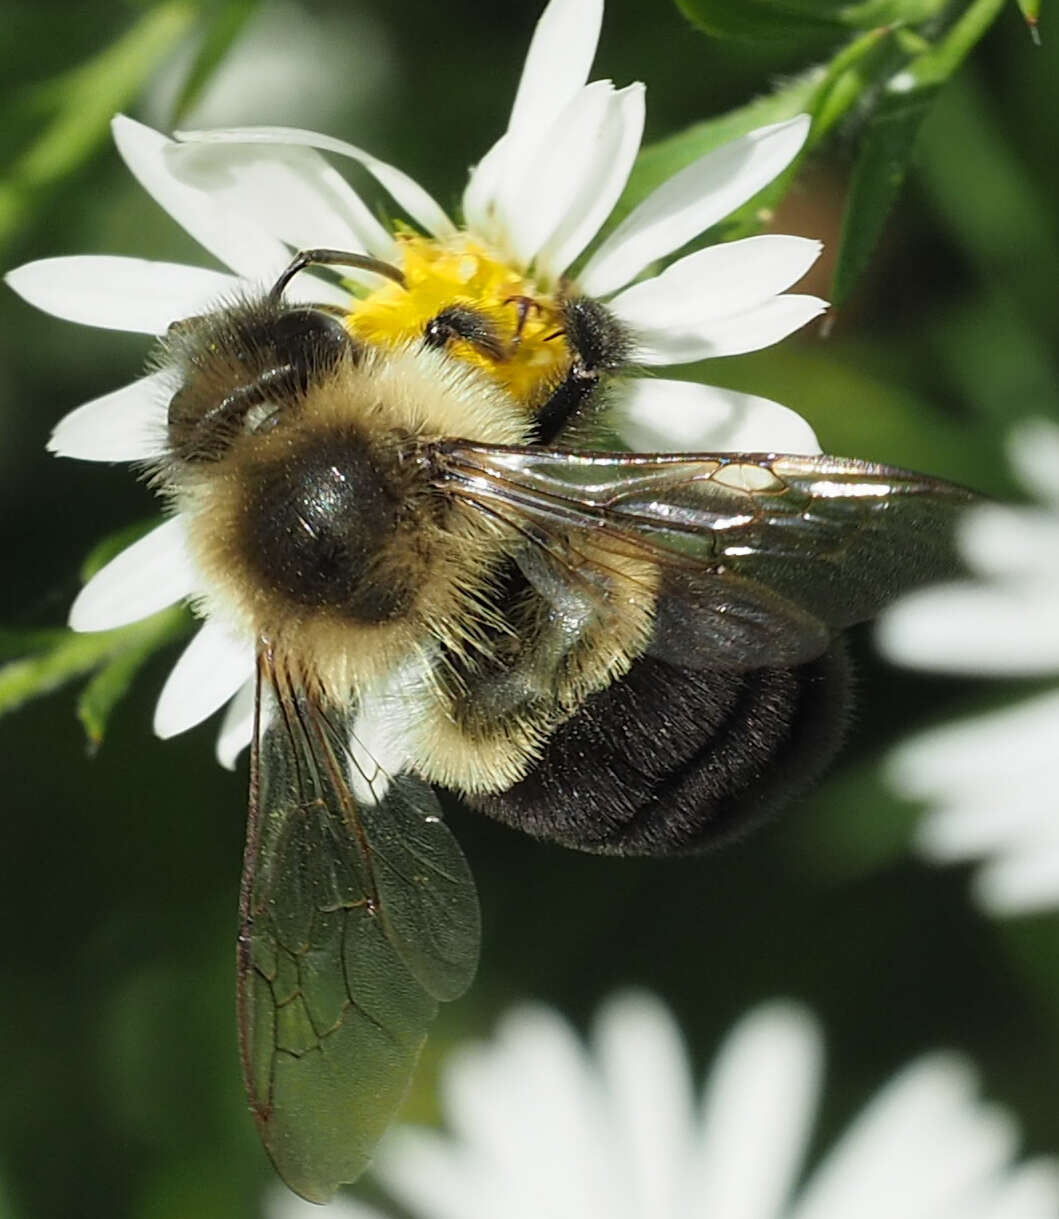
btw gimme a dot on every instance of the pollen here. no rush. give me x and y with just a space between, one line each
534 356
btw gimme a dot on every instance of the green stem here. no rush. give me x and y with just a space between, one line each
938 64
848 75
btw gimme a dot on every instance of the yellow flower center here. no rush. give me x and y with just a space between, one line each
534 356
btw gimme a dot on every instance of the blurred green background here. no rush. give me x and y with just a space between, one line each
121 1093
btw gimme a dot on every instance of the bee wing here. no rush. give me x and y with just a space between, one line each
358 913
760 558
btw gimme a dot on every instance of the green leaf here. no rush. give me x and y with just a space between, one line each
48 660
758 20
18 644
112 681
842 86
71 656
882 164
889 141
84 101
39 661
749 20
852 74
864 14
1031 11
225 26
826 92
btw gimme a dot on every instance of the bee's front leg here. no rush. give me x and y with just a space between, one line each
598 344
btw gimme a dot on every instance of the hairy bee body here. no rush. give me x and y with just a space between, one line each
310 472
627 653
667 760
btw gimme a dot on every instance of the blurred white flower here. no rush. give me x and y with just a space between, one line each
544 1129
989 780
289 63
532 206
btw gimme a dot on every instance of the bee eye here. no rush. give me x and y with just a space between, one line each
308 341
271 360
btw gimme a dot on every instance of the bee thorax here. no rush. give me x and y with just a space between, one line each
317 523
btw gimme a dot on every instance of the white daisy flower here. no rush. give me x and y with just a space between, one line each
989 780
532 206
544 1129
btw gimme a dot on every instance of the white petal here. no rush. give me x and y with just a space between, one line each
209 672
606 167
656 415
555 72
128 424
1004 540
435 1178
557 63
1022 881
1034 450
717 282
538 191
1006 629
151 574
1016 812
408 193
282 1204
479 197
972 753
758 1111
559 1123
133 294
234 239
726 336
1029 1191
919 1146
237 727
291 192
647 1078
692 201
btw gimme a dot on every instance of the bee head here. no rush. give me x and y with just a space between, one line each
244 370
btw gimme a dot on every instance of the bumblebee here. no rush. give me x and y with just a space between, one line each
626 653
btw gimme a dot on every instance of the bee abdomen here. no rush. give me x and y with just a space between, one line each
670 759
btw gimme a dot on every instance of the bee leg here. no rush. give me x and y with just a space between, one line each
473 327
524 306
599 345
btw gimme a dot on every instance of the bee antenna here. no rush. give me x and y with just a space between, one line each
333 258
